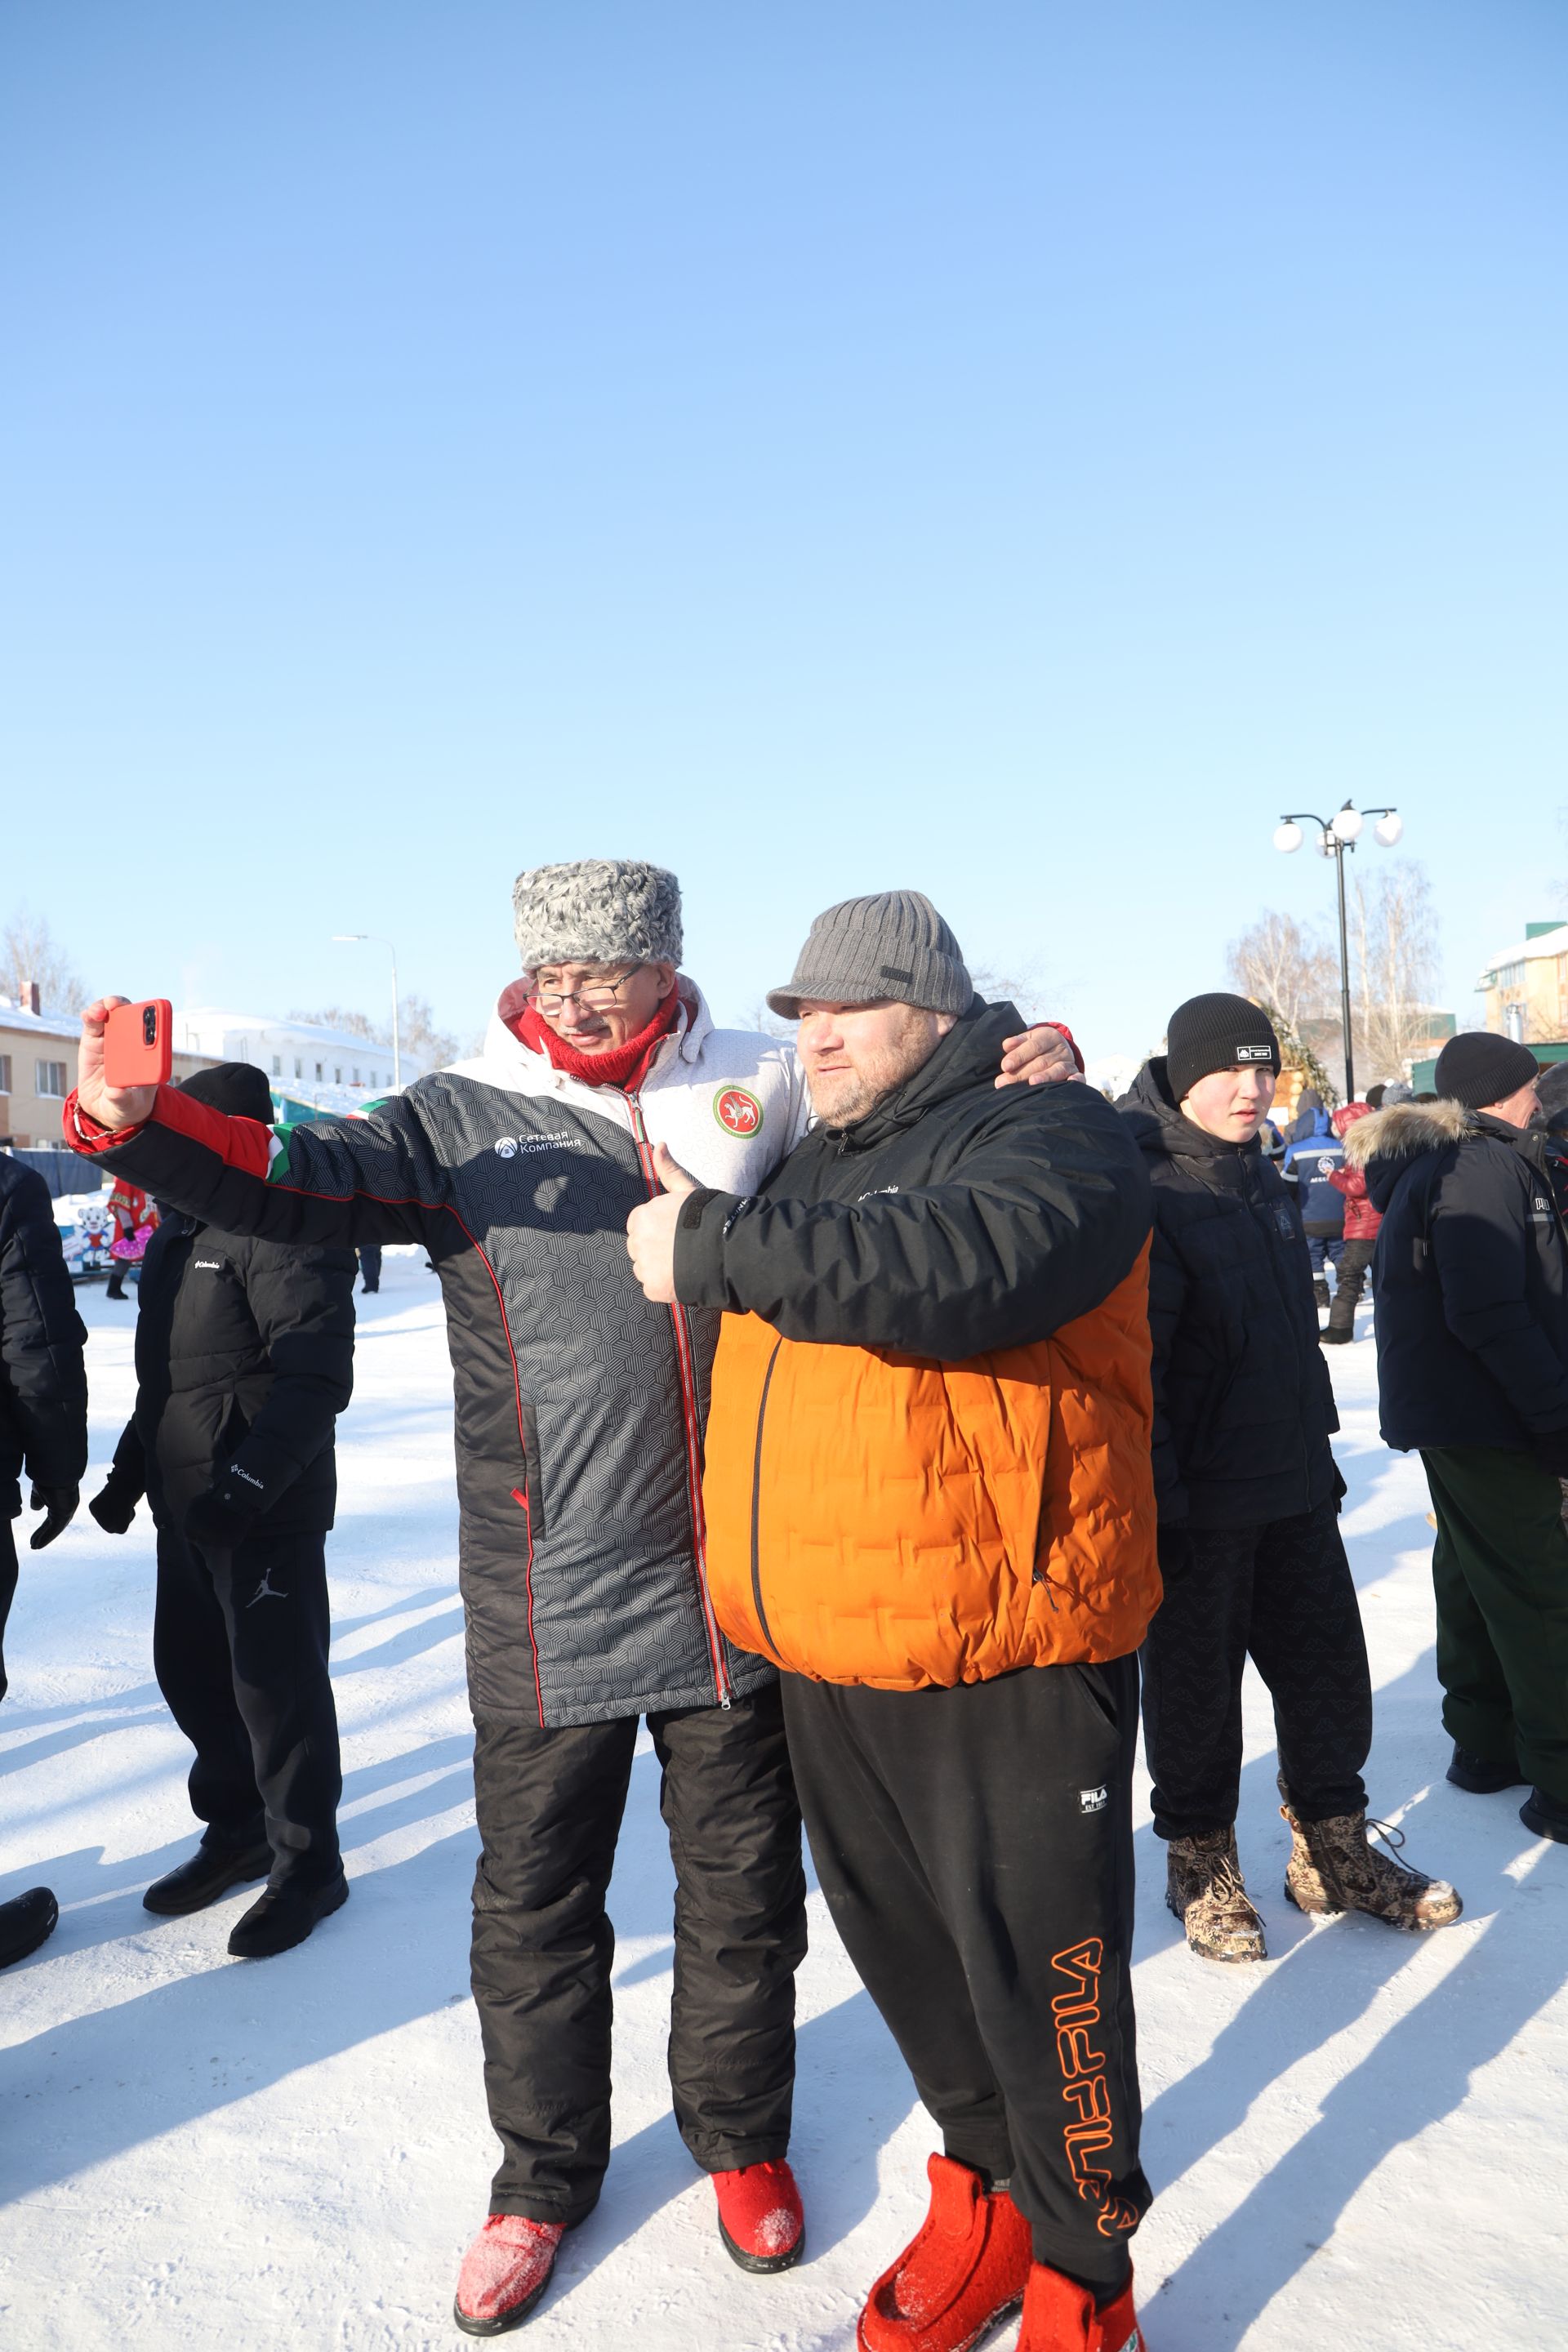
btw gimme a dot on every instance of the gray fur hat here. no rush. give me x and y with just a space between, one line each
597 910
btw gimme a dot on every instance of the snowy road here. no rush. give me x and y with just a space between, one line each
1363 2141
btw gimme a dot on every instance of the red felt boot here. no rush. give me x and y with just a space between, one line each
760 2218
1060 2317
969 2264
504 2273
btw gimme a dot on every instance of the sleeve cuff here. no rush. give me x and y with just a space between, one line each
700 1248
84 1134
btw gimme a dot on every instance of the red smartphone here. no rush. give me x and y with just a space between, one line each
137 1051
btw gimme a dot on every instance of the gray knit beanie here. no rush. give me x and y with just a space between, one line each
597 910
891 947
1397 1091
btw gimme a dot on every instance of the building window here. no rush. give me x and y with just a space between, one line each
5 1074
356 1077
318 1070
278 1065
337 1076
53 1080
298 1067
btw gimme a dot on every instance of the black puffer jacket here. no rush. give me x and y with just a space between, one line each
244 1357
43 1381
1470 1278
1243 1405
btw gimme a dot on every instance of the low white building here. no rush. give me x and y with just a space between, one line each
330 1069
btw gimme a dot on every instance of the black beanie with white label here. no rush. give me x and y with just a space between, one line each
1216 1033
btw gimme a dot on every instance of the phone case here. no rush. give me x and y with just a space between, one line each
136 1043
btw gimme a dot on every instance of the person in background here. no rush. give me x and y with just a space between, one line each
370 1266
244 1360
1361 1223
1374 1096
1249 1498
131 1213
42 1431
1311 1155
928 1502
1470 1286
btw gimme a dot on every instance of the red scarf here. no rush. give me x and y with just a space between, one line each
618 1065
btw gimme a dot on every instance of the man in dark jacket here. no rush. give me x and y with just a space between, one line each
244 1360
1471 1284
43 1431
1248 1503
928 1499
1312 1155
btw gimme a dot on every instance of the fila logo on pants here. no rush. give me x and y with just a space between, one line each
1084 2087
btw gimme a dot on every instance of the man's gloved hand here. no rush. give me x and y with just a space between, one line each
226 1513
1551 1450
114 1505
58 1506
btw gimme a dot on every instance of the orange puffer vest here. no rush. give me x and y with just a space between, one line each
889 1519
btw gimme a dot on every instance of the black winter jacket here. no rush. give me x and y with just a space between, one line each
43 1380
955 1219
1244 1408
1469 1278
244 1359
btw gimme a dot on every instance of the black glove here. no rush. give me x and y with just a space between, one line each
58 1506
226 1513
1550 1448
114 1505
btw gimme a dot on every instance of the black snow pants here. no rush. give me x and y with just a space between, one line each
9 1574
975 1849
1282 1595
239 1648
550 1804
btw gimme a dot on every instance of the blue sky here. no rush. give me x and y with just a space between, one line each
1010 450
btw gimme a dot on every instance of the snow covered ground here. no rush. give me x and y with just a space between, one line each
1362 2142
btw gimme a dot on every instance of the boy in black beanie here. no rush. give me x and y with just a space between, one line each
1249 1507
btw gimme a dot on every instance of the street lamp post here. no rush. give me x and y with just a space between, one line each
1336 834
359 938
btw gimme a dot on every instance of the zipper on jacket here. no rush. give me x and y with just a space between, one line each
757 1499
686 1364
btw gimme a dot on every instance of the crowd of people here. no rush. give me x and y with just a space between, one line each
885 1418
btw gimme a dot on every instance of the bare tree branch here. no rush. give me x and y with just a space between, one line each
28 952
1286 966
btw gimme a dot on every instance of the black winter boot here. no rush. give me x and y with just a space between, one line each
25 1922
1320 1292
1547 1816
211 1871
285 1916
1481 1776
1340 1325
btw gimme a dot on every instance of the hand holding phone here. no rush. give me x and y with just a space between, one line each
136 1048
115 1104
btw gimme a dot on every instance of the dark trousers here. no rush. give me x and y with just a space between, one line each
370 1264
975 1849
239 1648
1354 1267
1282 1595
7 1589
1499 1570
550 1806
1324 1249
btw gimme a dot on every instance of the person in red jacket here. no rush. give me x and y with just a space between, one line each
1362 1222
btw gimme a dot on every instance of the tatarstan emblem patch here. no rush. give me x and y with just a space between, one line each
738 1112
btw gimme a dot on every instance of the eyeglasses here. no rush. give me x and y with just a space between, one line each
595 995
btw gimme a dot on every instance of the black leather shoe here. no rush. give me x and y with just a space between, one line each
1481 1776
285 1916
1547 1816
25 1922
211 1871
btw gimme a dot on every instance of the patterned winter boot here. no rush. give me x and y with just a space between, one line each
1334 1867
1204 1888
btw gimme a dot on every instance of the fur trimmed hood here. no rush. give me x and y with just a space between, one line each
1405 1129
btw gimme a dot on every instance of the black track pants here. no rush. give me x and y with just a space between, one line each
550 1806
1282 1595
975 1849
239 1648
1354 1266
